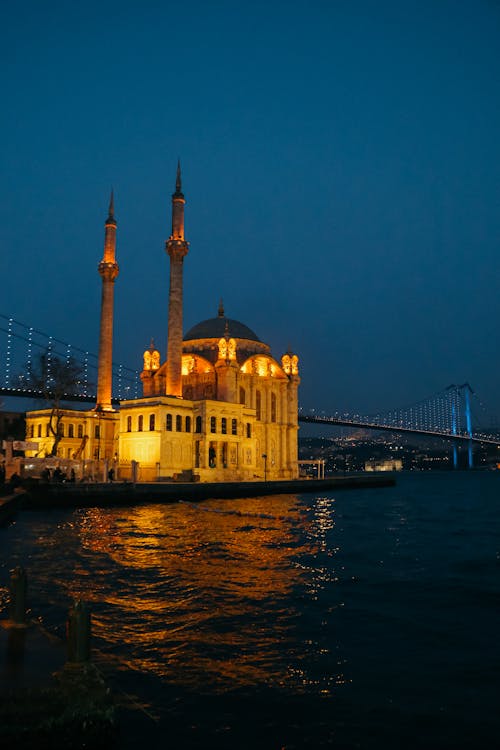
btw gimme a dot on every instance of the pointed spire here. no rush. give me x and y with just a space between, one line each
111 209
178 181
221 309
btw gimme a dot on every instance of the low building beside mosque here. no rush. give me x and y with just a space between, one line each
220 408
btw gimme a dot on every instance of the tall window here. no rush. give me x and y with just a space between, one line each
140 422
242 396
71 430
97 431
129 425
223 426
257 404
169 423
39 430
188 424
47 429
249 430
213 424
273 407
80 428
198 424
32 430
234 427
178 423
60 429
151 422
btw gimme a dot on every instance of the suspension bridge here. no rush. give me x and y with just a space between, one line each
447 414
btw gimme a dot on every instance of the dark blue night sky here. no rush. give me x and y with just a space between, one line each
340 165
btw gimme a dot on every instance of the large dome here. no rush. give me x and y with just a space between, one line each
215 328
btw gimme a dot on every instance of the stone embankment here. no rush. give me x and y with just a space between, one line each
127 493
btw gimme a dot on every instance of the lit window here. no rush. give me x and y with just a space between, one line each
273 407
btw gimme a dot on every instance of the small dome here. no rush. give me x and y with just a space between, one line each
216 328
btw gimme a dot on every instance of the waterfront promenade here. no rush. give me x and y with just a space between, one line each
128 493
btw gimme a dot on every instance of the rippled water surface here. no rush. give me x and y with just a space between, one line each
365 618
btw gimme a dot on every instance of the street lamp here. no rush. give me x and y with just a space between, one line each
264 456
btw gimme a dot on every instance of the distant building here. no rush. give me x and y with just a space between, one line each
389 464
220 407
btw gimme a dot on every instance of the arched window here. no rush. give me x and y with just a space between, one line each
39 430
71 430
188 424
169 423
243 396
178 423
223 426
273 407
249 430
234 427
151 422
80 428
198 424
213 424
60 429
129 424
140 422
258 404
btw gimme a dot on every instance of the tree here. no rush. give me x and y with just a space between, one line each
54 379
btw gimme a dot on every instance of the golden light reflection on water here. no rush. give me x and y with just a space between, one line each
208 592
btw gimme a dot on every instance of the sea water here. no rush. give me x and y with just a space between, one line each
356 619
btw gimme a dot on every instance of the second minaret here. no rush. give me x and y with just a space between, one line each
176 247
108 270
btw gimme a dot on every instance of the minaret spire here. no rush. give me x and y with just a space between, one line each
176 247
178 182
111 210
108 270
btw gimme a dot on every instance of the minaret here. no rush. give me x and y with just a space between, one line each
177 247
108 269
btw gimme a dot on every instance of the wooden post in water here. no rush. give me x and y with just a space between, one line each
18 588
78 633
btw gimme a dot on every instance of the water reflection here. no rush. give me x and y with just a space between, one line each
208 594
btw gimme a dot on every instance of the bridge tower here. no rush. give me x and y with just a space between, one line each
468 421
108 270
176 247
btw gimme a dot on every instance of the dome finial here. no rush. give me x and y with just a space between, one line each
221 308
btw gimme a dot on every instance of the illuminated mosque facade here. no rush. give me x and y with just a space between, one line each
220 408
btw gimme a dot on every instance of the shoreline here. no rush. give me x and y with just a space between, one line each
127 493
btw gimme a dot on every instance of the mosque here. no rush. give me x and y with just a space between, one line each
220 408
